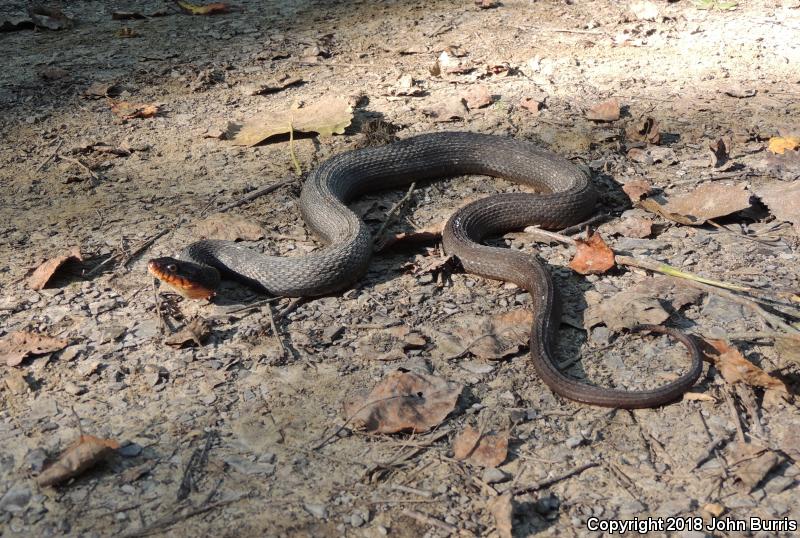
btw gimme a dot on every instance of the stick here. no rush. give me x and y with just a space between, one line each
255 194
536 486
161 324
170 520
535 230
275 333
571 230
388 220
428 520
144 246
296 163
50 158
79 163
735 415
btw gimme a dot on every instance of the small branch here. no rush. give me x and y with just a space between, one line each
297 169
388 220
79 163
550 481
665 269
428 520
580 226
536 231
709 451
275 334
144 245
255 194
50 158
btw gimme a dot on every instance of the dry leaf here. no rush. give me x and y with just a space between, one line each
734 368
487 4
645 130
423 236
49 17
325 117
783 200
272 86
720 151
631 227
208 9
42 274
501 508
102 89
637 189
227 227
654 207
404 401
487 450
489 338
606 111
532 104
127 111
740 92
87 451
715 509
407 86
709 201
15 347
593 256
477 96
626 309
449 109
780 144
751 463
196 332
698 397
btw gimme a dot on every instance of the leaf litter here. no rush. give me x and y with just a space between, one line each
486 337
85 453
488 449
735 368
45 272
593 256
18 345
708 201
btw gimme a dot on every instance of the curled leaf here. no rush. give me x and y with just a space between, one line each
15 347
86 452
487 450
208 9
593 256
42 274
734 368
779 144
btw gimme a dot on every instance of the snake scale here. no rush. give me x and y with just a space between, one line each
567 197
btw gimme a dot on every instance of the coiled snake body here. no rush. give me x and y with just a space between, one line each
567 198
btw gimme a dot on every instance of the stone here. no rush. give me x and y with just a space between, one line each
493 475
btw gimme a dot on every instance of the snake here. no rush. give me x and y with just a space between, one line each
564 196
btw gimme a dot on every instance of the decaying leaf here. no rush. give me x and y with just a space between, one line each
127 111
593 256
750 463
502 510
532 104
644 130
449 109
489 338
42 274
86 452
636 189
423 236
272 86
407 86
487 450
15 347
404 401
630 227
208 9
477 96
715 509
227 227
709 201
734 368
99 90
626 309
326 117
49 17
654 207
783 200
388 344
698 397
606 111
780 144
195 333
651 155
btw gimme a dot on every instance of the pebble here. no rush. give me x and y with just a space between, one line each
317 510
493 475
74 389
574 441
356 520
130 450
34 460
16 499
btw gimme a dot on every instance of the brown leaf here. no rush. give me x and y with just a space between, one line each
783 200
720 151
734 368
654 207
423 236
195 333
227 227
644 130
637 189
208 9
606 111
127 111
449 109
631 227
404 401
15 347
487 450
626 309
489 338
86 452
502 509
272 86
698 397
42 274
593 256
751 463
102 89
532 104
709 201
487 4
477 96
779 145
325 117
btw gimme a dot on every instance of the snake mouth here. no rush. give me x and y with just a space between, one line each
188 279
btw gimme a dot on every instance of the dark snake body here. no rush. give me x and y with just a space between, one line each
568 198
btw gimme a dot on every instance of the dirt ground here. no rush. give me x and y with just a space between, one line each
227 438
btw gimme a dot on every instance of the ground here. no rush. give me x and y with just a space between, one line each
229 438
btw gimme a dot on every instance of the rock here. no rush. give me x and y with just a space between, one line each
317 510
574 441
130 450
34 460
74 389
493 475
356 520
16 499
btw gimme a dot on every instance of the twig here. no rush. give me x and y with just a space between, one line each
735 415
275 334
559 30
251 306
320 64
161 323
388 220
665 269
50 158
409 489
550 481
96 268
428 520
197 459
168 521
144 245
536 231
709 451
297 169
571 230
79 163
255 194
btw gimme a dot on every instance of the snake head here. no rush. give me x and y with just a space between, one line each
189 279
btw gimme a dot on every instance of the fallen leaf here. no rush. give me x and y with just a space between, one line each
49 17
384 344
448 109
489 338
783 200
637 189
593 256
709 201
734 368
750 463
227 227
498 69
654 207
208 9
715 509
651 155
631 227
423 236
127 111
42 274
645 10
407 86
404 401
487 4
326 117
720 151
698 397
477 96
644 130
606 111
16 346
740 92
86 452
780 144
195 333
532 104
626 309
487 450
501 509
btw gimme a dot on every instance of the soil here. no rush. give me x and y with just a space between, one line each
223 439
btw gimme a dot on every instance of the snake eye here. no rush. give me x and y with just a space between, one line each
172 268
